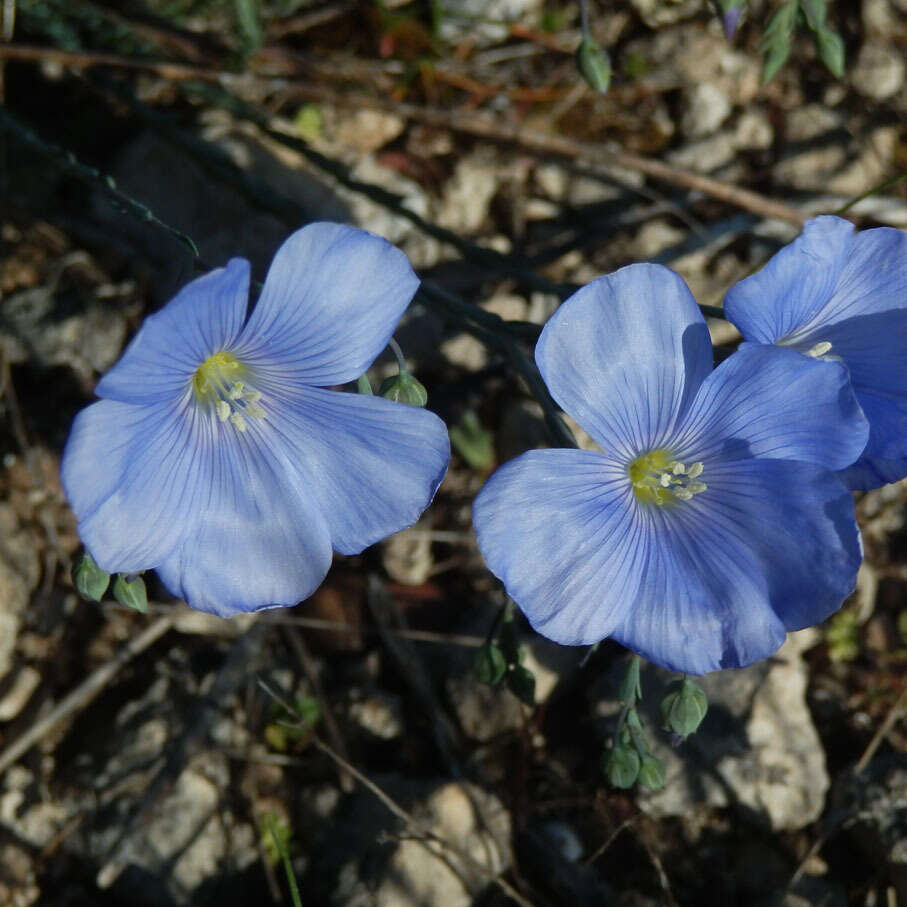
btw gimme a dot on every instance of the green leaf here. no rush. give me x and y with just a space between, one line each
522 684
247 16
490 665
775 43
774 60
815 12
473 443
831 51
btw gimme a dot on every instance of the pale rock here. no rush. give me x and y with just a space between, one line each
376 218
484 21
873 163
552 179
468 193
706 155
188 620
541 306
465 351
406 555
381 714
753 131
813 167
878 72
366 131
655 236
757 746
535 209
19 573
879 17
705 108
656 13
587 190
420 872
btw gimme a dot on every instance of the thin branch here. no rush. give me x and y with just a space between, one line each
82 695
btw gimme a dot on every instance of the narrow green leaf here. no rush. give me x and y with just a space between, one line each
490 665
831 51
815 12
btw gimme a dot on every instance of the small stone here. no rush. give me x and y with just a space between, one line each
878 72
381 714
367 130
705 108
706 155
753 132
656 236
656 13
376 218
468 193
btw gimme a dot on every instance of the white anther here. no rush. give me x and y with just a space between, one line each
223 410
254 410
696 487
665 480
236 392
683 493
695 470
820 349
679 469
238 422
252 396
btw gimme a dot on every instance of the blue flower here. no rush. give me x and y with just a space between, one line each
840 295
711 522
218 458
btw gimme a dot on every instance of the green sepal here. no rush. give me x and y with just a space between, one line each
404 388
131 593
831 51
651 773
622 766
594 65
90 580
684 707
630 687
364 386
490 665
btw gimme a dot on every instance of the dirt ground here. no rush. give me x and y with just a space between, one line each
151 759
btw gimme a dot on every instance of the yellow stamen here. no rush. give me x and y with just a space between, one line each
659 479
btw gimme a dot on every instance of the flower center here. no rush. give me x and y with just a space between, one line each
659 479
218 383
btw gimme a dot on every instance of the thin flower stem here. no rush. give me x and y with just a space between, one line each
285 859
398 355
584 13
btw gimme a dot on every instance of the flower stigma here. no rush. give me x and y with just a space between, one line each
218 382
659 479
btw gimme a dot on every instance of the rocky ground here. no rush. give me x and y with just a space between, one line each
155 777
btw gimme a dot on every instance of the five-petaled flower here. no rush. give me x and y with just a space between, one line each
218 457
711 521
838 295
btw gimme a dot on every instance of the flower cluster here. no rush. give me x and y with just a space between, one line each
715 516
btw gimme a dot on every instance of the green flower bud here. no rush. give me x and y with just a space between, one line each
404 388
130 592
89 579
594 65
651 773
684 707
622 766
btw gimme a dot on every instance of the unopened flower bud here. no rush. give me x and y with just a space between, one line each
129 591
622 766
404 388
684 707
490 665
89 579
651 773
594 65
731 13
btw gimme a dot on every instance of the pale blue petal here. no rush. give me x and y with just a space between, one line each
260 539
205 317
331 301
795 284
705 584
132 475
790 526
624 356
872 281
885 457
372 465
768 401
561 530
